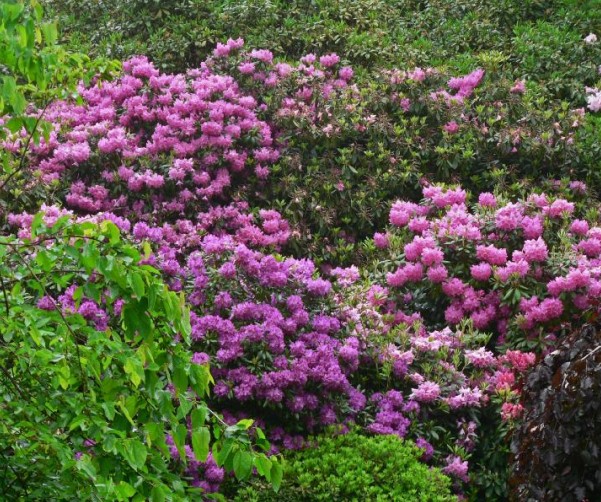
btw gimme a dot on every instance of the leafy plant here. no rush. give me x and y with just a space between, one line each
356 467
101 398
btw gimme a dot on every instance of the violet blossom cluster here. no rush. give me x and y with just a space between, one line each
151 145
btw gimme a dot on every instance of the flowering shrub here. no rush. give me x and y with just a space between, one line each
593 99
300 352
166 147
349 149
443 389
202 169
150 143
273 331
526 270
544 40
170 160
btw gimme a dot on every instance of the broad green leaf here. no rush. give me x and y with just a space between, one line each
263 465
276 476
179 438
50 32
125 491
137 284
36 223
86 466
135 453
133 367
199 416
242 464
159 494
200 377
225 451
11 12
180 379
245 423
200 443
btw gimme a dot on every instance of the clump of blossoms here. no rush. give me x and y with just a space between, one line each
349 149
153 146
300 351
593 99
526 270
171 160
425 381
272 329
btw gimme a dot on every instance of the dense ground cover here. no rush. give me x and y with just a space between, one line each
536 39
380 244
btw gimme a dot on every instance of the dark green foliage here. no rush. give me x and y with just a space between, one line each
557 448
354 467
368 33
556 56
336 187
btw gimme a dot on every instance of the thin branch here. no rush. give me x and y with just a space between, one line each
12 381
591 353
4 294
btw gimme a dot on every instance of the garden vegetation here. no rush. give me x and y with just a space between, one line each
307 250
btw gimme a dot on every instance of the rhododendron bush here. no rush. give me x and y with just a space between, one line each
351 147
526 271
431 342
299 352
303 139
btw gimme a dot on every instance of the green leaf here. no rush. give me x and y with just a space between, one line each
50 32
135 453
200 377
245 423
243 462
108 227
124 490
179 438
86 466
276 476
36 223
11 12
137 284
199 416
134 368
200 443
263 465
225 451
180 379
158 494
14 124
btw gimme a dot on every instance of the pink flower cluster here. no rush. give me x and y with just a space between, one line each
495 265
149 142
463 87
593 99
